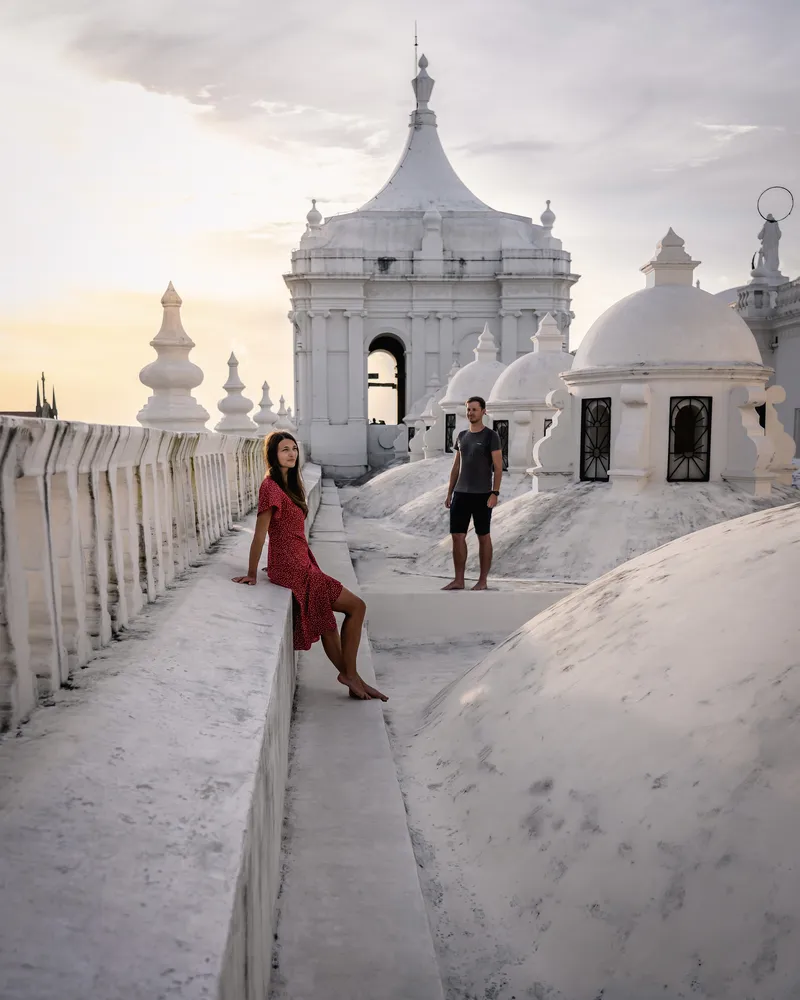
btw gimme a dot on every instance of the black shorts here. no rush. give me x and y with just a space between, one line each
470 506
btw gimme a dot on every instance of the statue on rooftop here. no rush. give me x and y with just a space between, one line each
770 235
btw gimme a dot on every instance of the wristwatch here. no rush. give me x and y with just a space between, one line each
494 493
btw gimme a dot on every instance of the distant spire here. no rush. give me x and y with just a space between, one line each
235 407
487 346
54 406
38 402
265 418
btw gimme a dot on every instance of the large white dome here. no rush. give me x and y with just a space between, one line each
623 776
478 377
669 323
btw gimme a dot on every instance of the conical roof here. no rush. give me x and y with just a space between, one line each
424 176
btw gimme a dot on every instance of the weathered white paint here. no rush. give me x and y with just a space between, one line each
425 263
620 776
97 520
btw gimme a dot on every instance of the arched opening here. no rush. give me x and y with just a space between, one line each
386 380
689 439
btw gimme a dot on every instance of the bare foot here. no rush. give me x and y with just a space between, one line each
454 585
355 686
374 692
481 585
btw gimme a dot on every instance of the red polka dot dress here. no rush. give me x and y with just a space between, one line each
291 564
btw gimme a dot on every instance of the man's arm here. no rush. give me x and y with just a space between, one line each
454 473
497 471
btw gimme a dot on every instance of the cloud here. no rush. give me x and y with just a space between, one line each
507 147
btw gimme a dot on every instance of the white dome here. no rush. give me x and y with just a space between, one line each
668 325
530 378
622 774
478 377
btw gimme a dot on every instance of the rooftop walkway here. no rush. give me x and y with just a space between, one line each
352 923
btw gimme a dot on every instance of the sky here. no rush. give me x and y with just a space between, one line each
182 140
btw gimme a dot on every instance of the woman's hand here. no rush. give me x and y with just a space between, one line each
250 581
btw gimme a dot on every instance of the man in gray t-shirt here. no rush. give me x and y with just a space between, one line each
473 491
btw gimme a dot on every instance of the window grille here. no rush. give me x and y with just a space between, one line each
689 439
595 439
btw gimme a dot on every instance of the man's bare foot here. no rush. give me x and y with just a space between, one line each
481 585
355 686
454 585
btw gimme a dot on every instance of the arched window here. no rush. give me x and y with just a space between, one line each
689 439
595 439
449 431
501 426
386 380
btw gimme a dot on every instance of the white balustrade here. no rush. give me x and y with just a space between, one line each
95 521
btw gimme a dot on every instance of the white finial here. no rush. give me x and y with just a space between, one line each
235 407
422 84
487 348
314 217
671 264
454 368
548 217
548 336
283 423
265 418
172 376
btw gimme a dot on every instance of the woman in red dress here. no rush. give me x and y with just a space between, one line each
282 511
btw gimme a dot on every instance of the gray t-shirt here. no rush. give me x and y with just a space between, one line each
476 450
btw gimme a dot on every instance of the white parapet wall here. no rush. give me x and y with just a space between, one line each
141 814
96 521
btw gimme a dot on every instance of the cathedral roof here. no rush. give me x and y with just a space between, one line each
424 175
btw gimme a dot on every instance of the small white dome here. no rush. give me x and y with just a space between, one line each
530 378
548 217
665 325
478 377
671 322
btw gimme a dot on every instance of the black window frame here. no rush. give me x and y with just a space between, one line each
702 441
503 435
589 422
449 432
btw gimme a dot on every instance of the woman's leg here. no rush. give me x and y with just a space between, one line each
354 610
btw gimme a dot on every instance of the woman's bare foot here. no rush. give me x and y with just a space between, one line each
481 585
355 686
454 585
374 692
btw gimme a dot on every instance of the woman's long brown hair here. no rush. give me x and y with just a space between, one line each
292 485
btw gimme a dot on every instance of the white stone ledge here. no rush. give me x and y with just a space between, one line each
95 522
141 816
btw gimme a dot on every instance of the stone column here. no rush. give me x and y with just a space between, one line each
357 411
418 379
446 354
319 365
508 335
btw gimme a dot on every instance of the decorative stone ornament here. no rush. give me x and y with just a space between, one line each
235 407
172 376
265 419
284 423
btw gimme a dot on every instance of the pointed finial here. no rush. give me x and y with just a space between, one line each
548 335
423 84
232 360
486 345
671 264
548 217
171 297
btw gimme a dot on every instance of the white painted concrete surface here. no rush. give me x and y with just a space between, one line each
352 922
141 815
